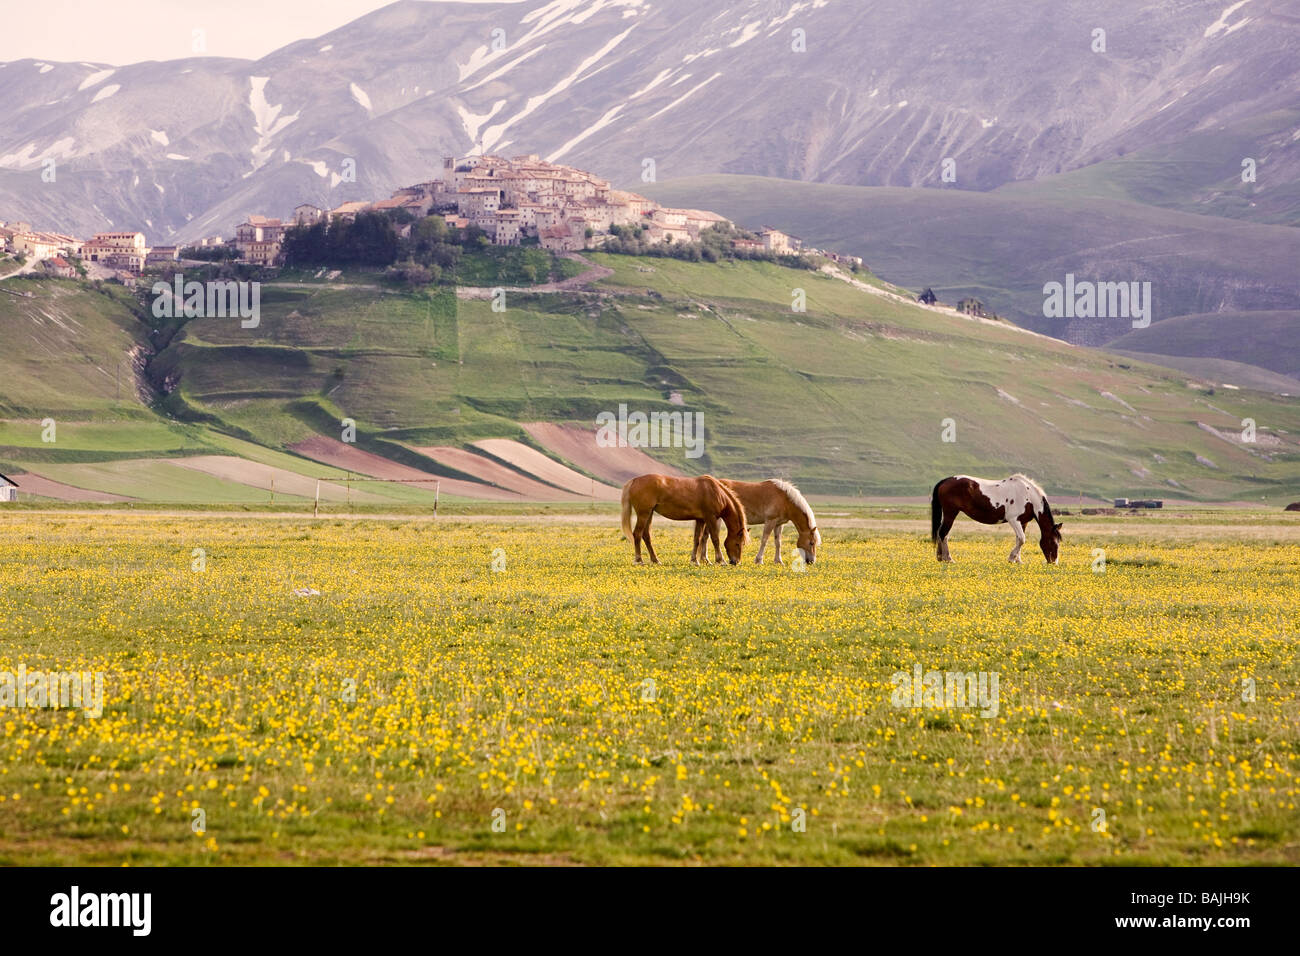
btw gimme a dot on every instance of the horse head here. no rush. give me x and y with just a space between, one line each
808 541
1050 540
733 515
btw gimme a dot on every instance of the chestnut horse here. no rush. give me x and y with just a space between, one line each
1016 500
703 499
772 503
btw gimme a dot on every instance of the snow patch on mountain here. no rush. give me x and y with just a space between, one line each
609 117
94 79
477 60
106 92
473 122
27 156
494 134
685 96
747 33
501 71
789 14
360 96
160 137
267 121
663 75
1221 24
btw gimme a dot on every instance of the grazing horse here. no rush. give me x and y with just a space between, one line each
1016 500
772 503
704 499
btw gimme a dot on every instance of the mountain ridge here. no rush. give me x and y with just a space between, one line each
184 148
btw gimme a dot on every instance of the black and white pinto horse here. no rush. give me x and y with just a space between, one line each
1016 500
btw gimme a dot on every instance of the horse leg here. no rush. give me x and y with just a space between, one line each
1019 529
942 547
776 540
640 532
654 558
762 546
713 535
698 545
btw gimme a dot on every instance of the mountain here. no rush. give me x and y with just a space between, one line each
884 91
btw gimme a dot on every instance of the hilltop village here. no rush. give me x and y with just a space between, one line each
522 200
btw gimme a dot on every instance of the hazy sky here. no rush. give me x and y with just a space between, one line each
128 31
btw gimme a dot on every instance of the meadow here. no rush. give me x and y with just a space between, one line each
504 690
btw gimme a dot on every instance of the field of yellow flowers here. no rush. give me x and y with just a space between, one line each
368 691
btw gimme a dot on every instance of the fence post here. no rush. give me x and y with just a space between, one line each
316 508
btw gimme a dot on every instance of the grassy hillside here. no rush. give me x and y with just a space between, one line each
1269 339
67 350
849 397
1003 246
1200 173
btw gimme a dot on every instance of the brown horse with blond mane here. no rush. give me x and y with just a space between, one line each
703 499
772 503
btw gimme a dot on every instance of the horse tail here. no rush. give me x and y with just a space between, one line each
627 509
936 512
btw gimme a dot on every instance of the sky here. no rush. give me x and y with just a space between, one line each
129 31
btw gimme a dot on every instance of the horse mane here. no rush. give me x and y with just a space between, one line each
799 501
1046 513
1032 484
733 502
1048 516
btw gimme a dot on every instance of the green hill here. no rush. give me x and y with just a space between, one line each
1200 173
849 397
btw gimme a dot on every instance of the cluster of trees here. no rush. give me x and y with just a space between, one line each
430 250
368 240
220 253
714 245
433 249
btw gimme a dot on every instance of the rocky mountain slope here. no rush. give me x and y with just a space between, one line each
882 92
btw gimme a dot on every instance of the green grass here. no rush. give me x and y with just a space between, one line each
65 351
151 480
847 398
517 265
